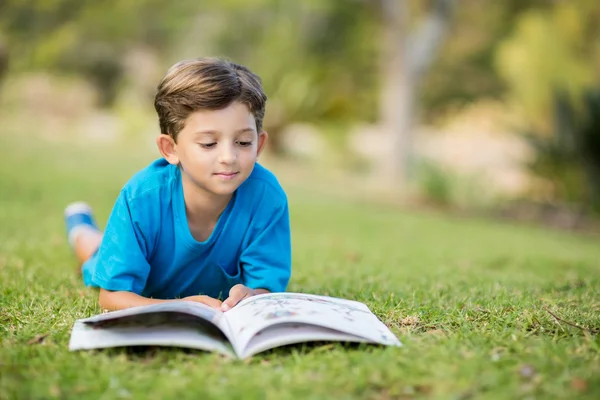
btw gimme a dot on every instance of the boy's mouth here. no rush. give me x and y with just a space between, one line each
226 175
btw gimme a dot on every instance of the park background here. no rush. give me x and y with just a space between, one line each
442 160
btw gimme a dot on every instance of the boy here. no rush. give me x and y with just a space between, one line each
205 221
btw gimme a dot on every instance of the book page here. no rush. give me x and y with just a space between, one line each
183 307
259 312
86 337
175 311
284 334
163 317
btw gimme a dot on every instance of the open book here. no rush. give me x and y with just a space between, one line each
256 324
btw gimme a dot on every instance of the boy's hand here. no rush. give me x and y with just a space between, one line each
238 293
209 301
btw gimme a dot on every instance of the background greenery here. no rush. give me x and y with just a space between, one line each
322 63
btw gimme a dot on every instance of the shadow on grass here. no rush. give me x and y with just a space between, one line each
152 353
309 348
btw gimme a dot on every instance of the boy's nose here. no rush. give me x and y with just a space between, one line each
227 155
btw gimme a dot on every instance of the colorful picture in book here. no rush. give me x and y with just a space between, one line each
279 314
268 306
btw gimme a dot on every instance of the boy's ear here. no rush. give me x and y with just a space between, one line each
168 148
262 140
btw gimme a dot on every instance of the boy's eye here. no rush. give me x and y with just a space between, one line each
208 145
245 144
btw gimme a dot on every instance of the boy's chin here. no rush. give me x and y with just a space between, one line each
223 191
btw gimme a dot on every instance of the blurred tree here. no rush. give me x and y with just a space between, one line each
464 71
550 63
320 61
3 60
89 38
406 57
315 58
570 158
551 48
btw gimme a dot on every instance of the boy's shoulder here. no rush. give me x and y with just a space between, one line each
154 178
263 182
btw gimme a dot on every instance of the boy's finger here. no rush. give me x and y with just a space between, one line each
231 301
214 303
236 294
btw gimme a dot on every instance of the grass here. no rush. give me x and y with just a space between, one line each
470 300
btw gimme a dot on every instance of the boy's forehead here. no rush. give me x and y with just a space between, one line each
235 110
235 118
216 132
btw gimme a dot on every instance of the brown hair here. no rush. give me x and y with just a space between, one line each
206 84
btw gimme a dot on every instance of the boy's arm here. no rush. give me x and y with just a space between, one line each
121 262
121 266
266 262
119 300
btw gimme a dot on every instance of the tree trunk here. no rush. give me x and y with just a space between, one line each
397 92
3 61
405 59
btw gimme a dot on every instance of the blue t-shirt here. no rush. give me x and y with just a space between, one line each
148 249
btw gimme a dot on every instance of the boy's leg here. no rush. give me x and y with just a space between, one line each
82 230
86 244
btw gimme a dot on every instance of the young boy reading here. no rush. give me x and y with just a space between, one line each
205 221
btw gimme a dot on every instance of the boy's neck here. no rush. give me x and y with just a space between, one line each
201 206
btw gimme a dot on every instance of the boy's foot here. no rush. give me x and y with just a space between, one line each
79 218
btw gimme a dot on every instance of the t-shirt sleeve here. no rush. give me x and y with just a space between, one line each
121 262
266 262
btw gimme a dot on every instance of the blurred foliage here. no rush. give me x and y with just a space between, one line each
435 184
557 47
88 38
442 187
570 158
320 60
3 60
464 71
315 58
550 63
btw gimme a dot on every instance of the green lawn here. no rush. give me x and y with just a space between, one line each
470 300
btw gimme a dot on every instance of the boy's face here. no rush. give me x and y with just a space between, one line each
217 149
